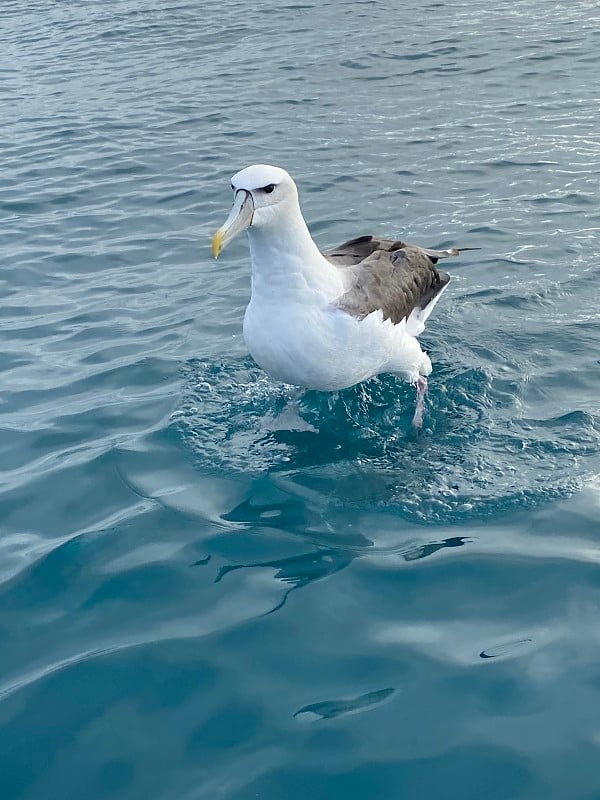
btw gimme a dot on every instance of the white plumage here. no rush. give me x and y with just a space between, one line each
316 324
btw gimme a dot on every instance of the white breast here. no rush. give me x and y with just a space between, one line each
319 347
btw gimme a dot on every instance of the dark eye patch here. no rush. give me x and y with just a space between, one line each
269 188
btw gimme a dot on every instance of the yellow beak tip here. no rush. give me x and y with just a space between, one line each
217 244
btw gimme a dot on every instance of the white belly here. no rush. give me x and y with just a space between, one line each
326 349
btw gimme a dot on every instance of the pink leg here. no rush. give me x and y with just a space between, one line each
421 387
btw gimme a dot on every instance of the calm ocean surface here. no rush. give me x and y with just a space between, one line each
214 586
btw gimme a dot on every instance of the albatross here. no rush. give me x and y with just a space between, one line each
329 320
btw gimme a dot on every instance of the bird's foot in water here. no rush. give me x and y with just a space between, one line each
421 387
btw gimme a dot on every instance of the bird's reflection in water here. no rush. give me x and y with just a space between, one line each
348 705
334 546
298 571
424 550
301 570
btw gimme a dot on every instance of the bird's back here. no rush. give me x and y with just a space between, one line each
397 278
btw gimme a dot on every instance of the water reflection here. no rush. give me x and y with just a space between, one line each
297 571
422 551
337 708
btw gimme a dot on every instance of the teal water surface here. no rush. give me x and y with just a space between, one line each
216 586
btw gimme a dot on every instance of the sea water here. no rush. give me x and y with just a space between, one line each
216 586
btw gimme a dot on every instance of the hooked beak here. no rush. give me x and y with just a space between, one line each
238 220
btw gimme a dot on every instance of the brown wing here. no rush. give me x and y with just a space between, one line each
356 250
388 275
351 253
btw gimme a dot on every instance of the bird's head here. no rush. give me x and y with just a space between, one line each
262 194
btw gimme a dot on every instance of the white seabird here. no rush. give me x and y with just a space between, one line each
329 320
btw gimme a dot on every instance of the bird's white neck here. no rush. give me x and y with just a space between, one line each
287 264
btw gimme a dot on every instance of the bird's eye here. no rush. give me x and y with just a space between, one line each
268 189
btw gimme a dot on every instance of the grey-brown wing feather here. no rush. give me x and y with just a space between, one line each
388 275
